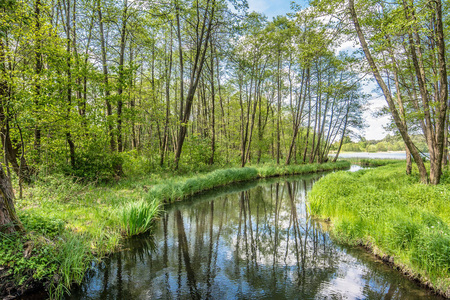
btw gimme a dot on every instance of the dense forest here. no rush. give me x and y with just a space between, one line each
179 83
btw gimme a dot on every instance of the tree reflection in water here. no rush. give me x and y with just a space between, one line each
258 242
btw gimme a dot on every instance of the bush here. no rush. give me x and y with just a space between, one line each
96 166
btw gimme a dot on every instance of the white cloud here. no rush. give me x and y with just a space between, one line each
375 130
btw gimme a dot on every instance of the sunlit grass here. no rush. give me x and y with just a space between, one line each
375 162
138 217
390 211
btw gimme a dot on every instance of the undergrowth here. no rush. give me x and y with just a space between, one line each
393 214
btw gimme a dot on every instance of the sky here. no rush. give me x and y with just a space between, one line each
374 131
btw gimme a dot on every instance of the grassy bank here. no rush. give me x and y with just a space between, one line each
71 224
364 162
400 220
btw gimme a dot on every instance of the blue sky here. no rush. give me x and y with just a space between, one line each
272 8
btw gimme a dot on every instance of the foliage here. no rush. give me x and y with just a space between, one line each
43 225
388 210
96 166
33 259
388 143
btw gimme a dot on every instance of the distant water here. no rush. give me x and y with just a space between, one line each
373 155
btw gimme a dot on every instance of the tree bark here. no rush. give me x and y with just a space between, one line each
387 94
195 75
121 79
9 221
112 142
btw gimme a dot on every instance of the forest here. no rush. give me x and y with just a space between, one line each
103 94
177 83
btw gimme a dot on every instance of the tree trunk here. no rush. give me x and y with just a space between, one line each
199 61
298 116
9 221
38 70
121 76
11 151
278 106
166 122
112 142
388 97
343 133
69 88
213 116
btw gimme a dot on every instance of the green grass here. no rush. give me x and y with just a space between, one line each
180 188
139 216
365 162
394 215
71 223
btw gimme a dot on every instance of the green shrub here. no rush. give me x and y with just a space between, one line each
96 166
44 225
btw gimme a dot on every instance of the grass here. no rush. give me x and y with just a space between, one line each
139 216
70 224
373 162
393 215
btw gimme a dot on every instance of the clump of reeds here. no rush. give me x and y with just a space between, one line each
139 216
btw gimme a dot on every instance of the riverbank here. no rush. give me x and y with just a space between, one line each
365 162
404 222
70 225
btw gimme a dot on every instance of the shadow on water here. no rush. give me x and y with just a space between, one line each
250 240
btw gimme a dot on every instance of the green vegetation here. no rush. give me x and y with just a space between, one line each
90 90
394 215
72 223
389 143
365 162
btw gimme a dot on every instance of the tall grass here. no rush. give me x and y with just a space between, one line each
73 260
138 217
393 214
373 162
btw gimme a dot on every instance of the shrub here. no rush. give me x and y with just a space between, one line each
44 225
96 166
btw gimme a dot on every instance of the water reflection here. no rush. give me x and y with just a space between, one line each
256 243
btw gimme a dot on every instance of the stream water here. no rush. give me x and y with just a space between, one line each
246 241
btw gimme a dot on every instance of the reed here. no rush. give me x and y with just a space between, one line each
139 216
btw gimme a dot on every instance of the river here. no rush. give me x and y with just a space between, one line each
250 240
